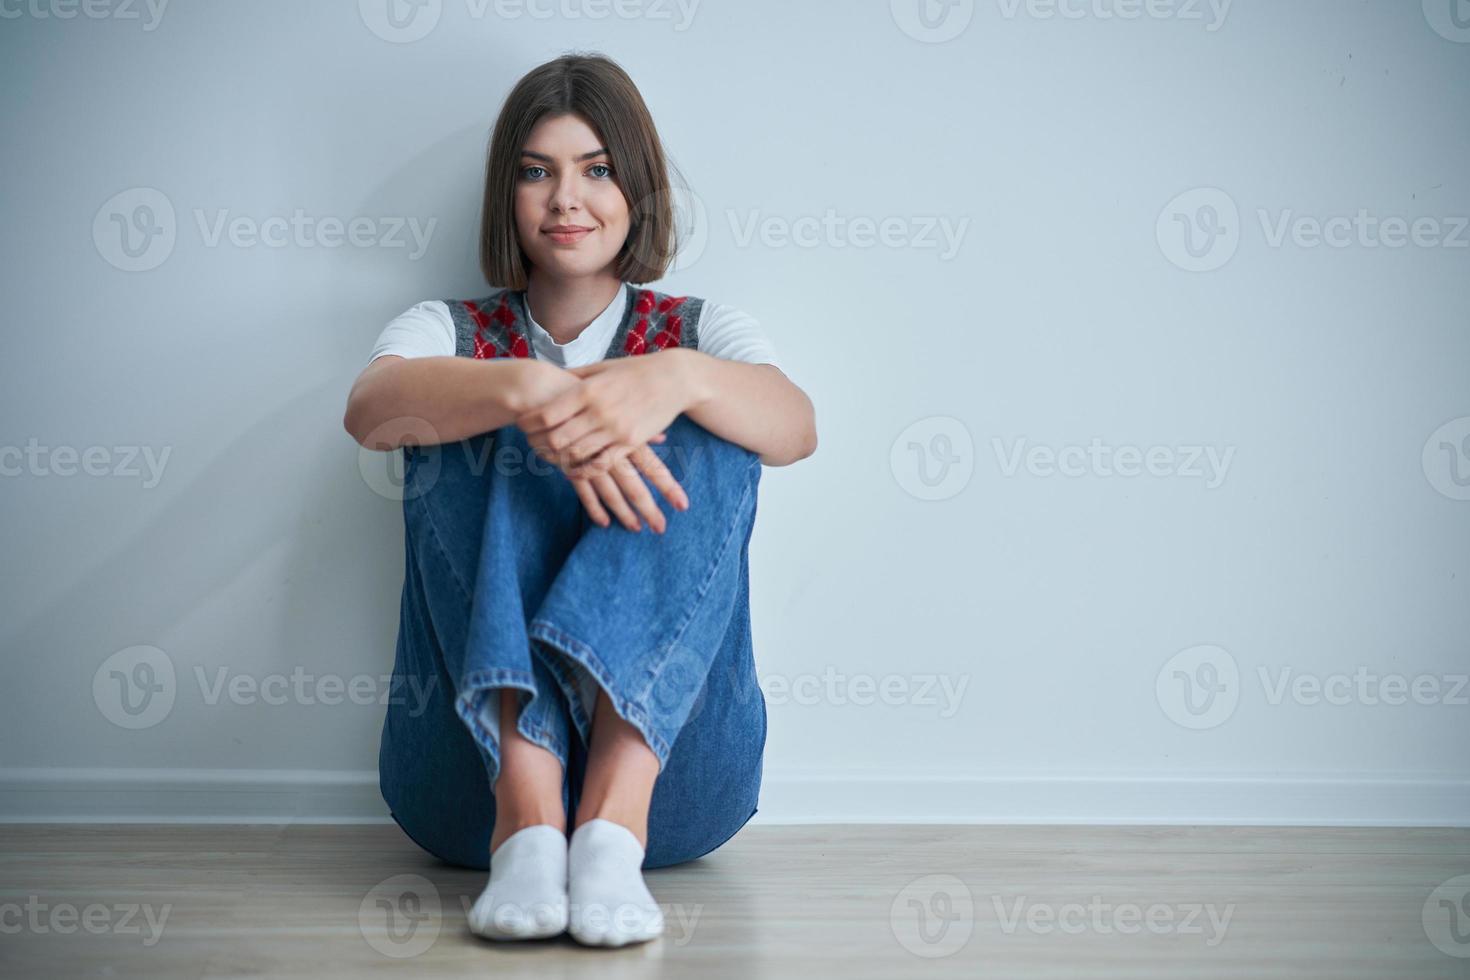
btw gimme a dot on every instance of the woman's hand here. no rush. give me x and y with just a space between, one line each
584 429
622 486
621 404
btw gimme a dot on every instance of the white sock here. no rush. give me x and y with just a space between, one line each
610 904
527 894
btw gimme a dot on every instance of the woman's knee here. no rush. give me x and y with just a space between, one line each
686 432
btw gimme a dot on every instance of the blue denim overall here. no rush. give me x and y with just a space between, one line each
509 583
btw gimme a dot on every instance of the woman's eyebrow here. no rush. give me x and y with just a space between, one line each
600 151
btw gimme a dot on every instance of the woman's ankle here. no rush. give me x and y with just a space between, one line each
509 821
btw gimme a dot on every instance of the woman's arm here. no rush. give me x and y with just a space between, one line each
751 405
458 397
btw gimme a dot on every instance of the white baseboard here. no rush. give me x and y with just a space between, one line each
1370 800
190 796
787 797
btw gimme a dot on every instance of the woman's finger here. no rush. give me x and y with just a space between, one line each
658 474
590 501
584 450
566 436
612 495
636 491
604 460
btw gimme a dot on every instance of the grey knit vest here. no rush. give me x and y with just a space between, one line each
499 324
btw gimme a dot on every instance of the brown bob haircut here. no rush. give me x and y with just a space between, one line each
598 89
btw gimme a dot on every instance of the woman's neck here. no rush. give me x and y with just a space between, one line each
565 307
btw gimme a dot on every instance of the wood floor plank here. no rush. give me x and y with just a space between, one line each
857 901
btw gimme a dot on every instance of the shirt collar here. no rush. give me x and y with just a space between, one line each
589 345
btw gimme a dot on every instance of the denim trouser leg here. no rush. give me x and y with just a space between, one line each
507 583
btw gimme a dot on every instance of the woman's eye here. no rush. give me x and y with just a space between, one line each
534 172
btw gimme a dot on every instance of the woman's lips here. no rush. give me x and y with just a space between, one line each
569 237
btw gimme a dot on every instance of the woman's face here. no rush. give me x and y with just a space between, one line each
565 178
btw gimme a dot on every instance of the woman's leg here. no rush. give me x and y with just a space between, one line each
530 789
648 635
441 751
710 786
634 628
654 626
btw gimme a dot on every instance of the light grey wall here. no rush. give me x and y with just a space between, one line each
963 248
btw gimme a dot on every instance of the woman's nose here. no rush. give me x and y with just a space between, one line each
565 197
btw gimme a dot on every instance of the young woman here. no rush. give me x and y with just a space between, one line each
550 660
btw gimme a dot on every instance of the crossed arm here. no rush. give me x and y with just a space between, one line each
595 422
628 400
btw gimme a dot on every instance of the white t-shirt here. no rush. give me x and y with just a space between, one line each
427 330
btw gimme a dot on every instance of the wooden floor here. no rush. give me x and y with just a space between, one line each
809 902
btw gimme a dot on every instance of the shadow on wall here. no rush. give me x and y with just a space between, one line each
445 183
